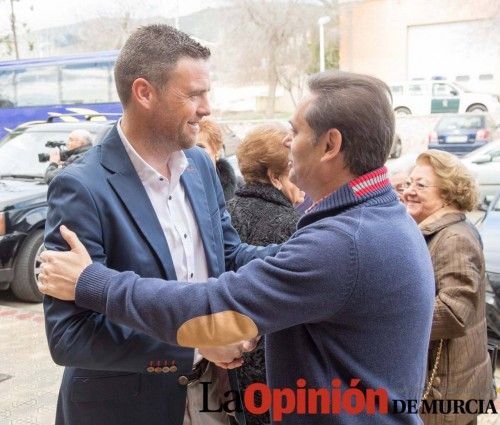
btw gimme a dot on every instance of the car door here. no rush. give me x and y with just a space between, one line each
445 98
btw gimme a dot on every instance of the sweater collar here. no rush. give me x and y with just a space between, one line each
373 188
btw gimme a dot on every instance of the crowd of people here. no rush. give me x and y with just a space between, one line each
177 290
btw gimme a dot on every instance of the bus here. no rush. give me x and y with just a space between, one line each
30 89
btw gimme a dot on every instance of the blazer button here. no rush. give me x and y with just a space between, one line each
183 380
173 368
166 369
437 380
150 369
158 369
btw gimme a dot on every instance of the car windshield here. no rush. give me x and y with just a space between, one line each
461 122
19 153
483 150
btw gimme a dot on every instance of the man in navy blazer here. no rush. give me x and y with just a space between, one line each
113 374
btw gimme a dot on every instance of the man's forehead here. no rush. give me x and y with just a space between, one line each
300 110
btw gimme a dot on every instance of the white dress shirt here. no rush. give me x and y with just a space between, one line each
174 213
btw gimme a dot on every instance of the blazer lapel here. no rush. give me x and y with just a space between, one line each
193 186
129 188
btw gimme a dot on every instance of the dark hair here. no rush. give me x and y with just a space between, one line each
359 107
150 53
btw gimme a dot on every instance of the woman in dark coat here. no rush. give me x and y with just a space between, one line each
262 212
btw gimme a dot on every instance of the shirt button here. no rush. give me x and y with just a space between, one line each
185 236
191 275
183 380
170 198
161 179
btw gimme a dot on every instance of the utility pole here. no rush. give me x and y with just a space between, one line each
13 27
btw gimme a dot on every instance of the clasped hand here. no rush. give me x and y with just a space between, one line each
228 356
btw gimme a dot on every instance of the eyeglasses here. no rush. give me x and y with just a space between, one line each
419 186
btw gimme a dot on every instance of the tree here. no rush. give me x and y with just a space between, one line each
273 41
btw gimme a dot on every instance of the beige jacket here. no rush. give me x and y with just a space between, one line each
464 370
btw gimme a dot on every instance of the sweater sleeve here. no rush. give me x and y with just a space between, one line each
310 279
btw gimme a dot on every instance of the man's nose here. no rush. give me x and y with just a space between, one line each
204 107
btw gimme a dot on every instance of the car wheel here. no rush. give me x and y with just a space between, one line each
397 148
27 269
477 107
402 111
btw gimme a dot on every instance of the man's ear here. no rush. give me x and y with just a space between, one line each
333 144
143 92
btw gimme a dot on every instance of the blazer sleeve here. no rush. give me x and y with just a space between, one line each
296 286
236 253
78 337
457 268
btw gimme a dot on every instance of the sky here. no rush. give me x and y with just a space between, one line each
37 14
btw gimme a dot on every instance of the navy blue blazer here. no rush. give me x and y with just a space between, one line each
106 379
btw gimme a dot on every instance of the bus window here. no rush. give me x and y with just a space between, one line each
85 83
7 93
37 86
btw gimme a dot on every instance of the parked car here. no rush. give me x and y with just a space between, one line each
462 133
489 228
438 96
485 165
23 204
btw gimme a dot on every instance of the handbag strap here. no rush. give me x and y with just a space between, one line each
433 374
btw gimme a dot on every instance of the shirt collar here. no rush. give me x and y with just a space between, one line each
177 163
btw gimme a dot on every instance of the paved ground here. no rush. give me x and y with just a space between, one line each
29 395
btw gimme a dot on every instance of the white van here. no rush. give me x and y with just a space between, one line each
438 96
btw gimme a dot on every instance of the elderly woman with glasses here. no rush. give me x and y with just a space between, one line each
437 194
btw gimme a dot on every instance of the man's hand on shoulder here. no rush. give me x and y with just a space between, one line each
61 269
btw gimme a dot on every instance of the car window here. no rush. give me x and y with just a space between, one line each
443 90
416 89
460 123
397 89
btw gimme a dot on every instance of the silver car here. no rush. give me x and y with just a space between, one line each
485 164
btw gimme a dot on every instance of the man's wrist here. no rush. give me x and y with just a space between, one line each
90 290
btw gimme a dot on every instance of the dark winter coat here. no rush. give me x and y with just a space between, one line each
227 178
261 214
54 169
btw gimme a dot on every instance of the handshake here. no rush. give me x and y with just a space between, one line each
229 356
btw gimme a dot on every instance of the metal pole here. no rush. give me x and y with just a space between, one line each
321 22
321 47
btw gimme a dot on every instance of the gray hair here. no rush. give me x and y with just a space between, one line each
84 135
150 53
359 107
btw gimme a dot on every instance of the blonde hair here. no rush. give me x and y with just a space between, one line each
457 185
262 149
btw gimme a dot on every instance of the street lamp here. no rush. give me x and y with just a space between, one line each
322 22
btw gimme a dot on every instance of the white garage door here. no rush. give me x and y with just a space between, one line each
468 50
